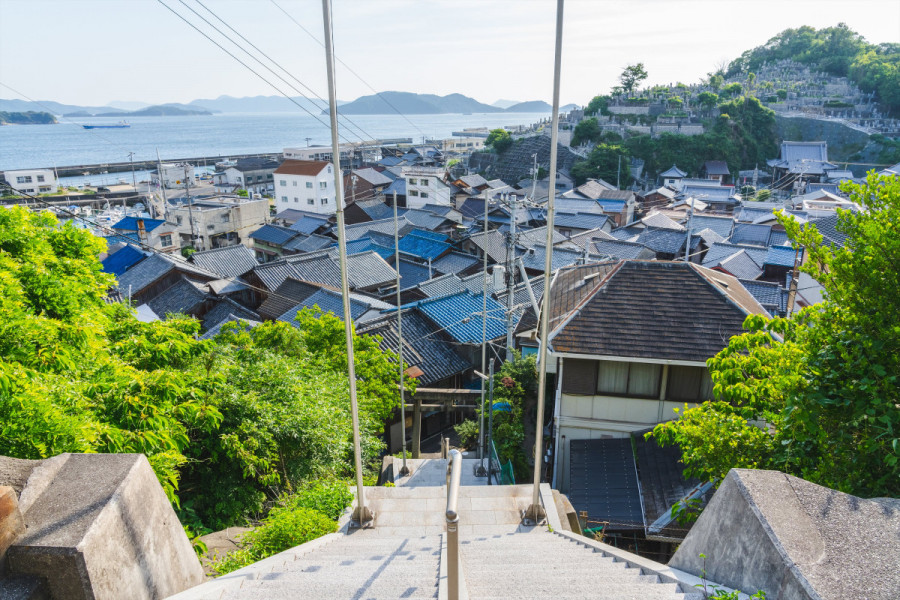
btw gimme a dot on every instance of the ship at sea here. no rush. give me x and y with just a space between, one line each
119 125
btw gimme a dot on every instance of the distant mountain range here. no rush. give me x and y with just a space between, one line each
384 103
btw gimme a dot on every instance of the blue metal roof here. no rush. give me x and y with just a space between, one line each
613 206
460 316
421 247
399 186
363 244
307 224
782 256
122 260
429 235
126 238
411 273
273 234
130 224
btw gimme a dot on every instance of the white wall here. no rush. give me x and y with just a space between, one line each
32 181
434 189
296 191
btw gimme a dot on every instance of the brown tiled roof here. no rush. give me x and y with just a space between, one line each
302 167
655 309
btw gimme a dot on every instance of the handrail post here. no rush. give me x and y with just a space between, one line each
454 471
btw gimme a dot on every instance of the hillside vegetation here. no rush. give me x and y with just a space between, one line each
27 118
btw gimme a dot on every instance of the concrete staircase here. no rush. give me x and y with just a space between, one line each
404 555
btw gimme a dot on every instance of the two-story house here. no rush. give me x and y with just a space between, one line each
426 185
629 341
252 174
305 185
32 181
218 222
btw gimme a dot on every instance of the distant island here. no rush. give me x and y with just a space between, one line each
27 118
162 110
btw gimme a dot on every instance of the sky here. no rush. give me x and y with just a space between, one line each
93 52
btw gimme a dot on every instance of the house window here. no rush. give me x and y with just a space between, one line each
689 384
282 182
165 240
44 189
324 200
309 185
424 182
226 218
284 199
40 178
329 170
178 220
412 181
311 201
423 195
23 179
413 193
295 184
628 379
296 200
323 185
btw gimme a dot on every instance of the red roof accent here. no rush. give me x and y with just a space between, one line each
302 167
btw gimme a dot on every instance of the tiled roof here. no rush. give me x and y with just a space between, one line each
460 316
411 273
592 189
124 238
708 193
182 297
273 234
721 225
273 274
521 297
217 328
372 176
579 205
367 269
709 236
664 241
749 214
752 234
782 256
154 267
230 261
579 220
422 247
225 308
778 238
827 226
308 243
617 250
454 262
377 210
720 251
473 208
385 226
603 482
741 265
289 294
131 224
475 283
317 267
716 167
661 221
683 313
494 243
122 260
441 286
328 301
673 171
585 238
535 258
310 168
472 181
398 185
538 235
772 296
626 234
429 235
307 224
423 345
254 163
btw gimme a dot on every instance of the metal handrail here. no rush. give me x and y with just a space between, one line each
454 472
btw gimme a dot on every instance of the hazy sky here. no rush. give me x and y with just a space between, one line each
96 51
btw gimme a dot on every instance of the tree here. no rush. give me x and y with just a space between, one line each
632 76
604 163
716 81
597 105
732 90
499 140
815 396
707 100
587 130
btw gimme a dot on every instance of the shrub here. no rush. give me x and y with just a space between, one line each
329 496
467 432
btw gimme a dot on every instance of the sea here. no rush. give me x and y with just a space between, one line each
219 135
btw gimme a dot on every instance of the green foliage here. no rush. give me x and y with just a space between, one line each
188 251
782 94
597 105
328 496
816 396
732 90
603 162
708 100
27 118
632 77
889 153
499 140
243 193
226 424
516 384
467 432
587 130
287 526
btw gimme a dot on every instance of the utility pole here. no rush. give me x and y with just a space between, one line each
510 276
404 470
307 141
133 179
162 186
795 274
490 421
187 196
618 170
362 516
480 472
687 248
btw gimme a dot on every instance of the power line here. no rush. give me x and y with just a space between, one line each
346 66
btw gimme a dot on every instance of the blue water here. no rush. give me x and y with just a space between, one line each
220 135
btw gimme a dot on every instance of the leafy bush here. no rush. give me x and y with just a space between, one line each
467 432
329 497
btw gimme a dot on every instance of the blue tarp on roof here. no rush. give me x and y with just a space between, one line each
130 224
122 260
460 316
612 206
428 235
126 238
421 247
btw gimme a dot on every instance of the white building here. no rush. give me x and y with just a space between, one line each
426 185
174 175
218 222
32 181
252 174
306 185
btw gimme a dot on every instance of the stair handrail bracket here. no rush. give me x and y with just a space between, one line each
454 472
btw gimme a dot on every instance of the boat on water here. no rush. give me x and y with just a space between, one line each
119 125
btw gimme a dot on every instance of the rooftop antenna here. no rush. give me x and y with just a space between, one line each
535 513
362 516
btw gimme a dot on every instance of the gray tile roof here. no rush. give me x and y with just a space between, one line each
749 233
424 219
424 346
772 296
378 210
663 241
411 273
385 226
308 224
273 234
585 238
273 274
684 314
224 309
230 261
308 243
372 176
661 221
289 294
584 221
441 286
709 236
827 226
720 251
317 267
617 250
721 225
153 268
741 265
182 297
535 257
454 262
328 301
217 328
